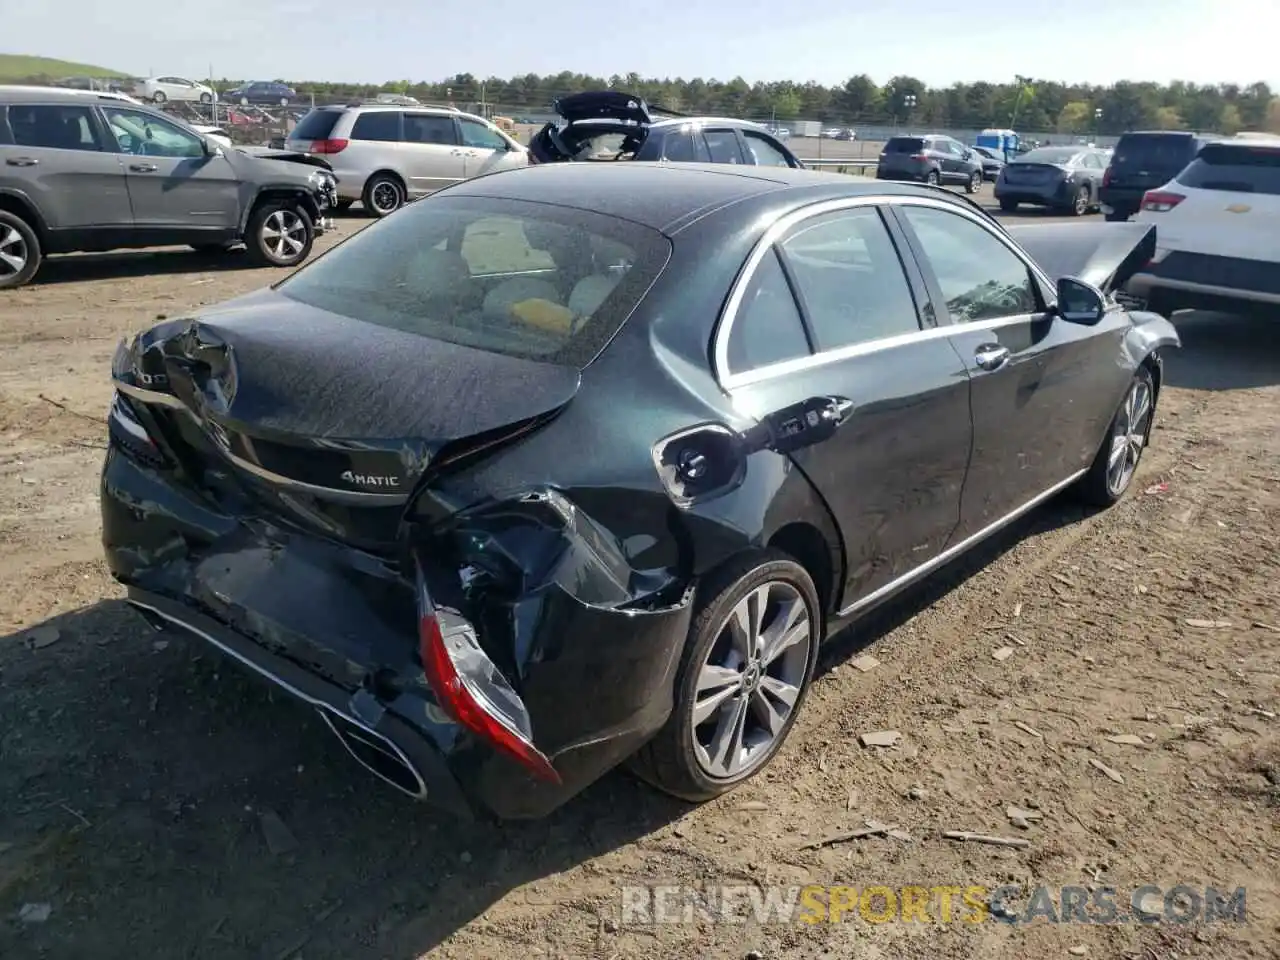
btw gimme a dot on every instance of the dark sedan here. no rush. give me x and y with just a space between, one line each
1062 178
579 464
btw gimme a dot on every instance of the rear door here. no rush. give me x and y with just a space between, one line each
723 145
903 156
833 309
433 156
1231 208
1041 387
58 159
172 182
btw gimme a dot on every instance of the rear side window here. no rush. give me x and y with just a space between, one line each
1153 150
768 328
517 278
904 145
850 279
316 125
765 153
61 128
723 145
1238 169
381 125
678 147
429 128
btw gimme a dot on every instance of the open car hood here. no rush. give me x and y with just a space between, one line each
1103 254
603 105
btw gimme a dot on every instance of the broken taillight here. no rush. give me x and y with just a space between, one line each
470 688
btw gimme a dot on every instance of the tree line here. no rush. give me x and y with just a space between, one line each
1026 103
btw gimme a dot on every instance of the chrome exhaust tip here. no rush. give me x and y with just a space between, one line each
376 754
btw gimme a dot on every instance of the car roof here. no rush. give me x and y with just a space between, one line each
669 196
17 93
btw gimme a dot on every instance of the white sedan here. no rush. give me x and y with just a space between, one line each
161 89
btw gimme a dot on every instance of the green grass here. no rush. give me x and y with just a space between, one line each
14 68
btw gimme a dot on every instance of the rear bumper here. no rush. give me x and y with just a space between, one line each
1125 200
1055 194
337 629
1191 281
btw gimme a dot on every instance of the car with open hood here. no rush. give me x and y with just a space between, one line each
86 172
610 125
578 465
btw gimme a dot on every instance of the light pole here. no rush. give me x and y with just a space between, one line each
1097 121
909 101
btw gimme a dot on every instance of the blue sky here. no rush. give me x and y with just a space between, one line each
939 41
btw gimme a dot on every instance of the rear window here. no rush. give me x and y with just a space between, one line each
904 145
1048 155
1238 169
381 125
316 125
1166 152
517 278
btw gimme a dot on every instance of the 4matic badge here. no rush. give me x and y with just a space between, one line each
370 479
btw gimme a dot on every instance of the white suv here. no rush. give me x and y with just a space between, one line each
384 155
1217 231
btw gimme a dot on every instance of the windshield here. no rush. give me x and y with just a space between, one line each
1056 155
518 278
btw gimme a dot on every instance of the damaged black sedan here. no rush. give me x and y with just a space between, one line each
577 466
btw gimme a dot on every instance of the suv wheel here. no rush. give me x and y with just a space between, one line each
280 234
932 179
975 182
383 194
19 251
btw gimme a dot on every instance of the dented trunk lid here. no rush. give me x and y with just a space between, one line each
332 420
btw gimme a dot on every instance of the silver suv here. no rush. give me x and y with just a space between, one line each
385 155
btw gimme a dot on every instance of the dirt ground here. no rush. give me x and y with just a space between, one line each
136 769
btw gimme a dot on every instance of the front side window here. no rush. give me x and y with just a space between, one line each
149 136
512 277
429 128
980 277
768 328
60 128
764 152
723 145
476 134
850 279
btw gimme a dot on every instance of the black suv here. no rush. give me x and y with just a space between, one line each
933 158
1144 160
610 125
81 171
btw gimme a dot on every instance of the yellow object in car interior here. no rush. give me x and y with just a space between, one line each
544 314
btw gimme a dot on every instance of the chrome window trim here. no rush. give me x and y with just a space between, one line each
728 380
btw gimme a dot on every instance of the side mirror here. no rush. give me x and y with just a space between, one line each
968 154
1079 302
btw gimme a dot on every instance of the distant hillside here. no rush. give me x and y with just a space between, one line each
14 67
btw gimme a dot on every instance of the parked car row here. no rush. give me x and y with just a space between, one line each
164 89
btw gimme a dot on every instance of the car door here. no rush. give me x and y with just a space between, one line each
832 309
173 184
484 149
1041 387
433 156
723 145
57 159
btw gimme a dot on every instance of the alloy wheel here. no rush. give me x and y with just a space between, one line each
751 680
284 235
385 196
1082 202
13 252
1129 437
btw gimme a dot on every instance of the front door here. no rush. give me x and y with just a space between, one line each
58 160
484 150
893 473
1040 386
173 183
432 156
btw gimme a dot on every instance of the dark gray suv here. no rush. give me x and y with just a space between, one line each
932 158
86 172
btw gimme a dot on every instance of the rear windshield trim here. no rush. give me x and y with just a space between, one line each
650 249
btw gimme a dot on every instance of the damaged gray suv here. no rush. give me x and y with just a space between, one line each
80 172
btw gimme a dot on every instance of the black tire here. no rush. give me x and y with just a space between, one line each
1079 202
975 182
159 97
18 242
1007 205
669 761
384 194
932 178
342 206
206 98
279 216
1098 486
1117 216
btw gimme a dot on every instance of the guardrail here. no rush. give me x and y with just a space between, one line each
838 166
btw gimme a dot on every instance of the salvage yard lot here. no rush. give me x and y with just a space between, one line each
164 804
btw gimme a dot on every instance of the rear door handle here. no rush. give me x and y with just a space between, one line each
991 356
22 161
143 167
